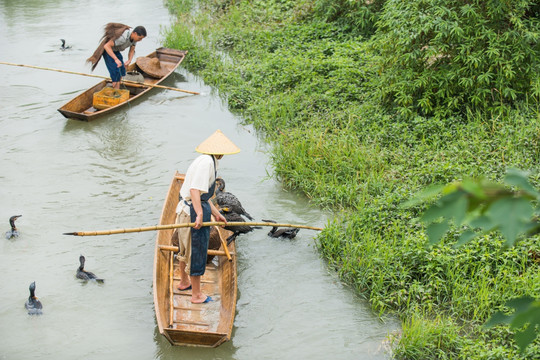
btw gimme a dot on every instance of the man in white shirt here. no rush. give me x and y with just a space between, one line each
194 206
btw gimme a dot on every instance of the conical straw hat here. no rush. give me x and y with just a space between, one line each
152 67
217 144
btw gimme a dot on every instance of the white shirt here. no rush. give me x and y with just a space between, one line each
200 175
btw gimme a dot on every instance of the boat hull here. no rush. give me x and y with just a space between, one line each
180 321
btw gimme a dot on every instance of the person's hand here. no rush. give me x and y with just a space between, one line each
198 221
126 64
221 218
118 63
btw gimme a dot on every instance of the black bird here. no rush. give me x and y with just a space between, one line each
288 232
86 275
64 47
214 243
13 232
33 305
226 199
231 216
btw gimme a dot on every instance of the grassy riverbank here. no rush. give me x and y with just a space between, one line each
355 132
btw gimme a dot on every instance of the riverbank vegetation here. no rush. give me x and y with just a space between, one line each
366 104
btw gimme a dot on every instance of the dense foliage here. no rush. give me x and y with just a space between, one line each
334 87
442 57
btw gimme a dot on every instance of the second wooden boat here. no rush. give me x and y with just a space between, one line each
81 107
180 321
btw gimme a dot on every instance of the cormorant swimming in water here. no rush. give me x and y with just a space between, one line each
33 305
64 47
288 232
226 199
13 232
86 275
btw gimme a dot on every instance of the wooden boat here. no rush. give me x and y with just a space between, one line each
81 106
180 321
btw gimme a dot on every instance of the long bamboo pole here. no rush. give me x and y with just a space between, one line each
134 83
183 225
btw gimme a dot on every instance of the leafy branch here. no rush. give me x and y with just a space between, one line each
479 207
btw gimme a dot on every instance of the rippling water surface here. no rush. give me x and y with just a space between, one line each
65 175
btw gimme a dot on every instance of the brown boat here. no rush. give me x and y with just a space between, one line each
180 321
81 107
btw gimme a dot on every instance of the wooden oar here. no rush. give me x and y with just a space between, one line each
175 226
135 83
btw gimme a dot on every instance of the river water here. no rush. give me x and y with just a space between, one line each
66 175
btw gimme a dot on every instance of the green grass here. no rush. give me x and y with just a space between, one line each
312 87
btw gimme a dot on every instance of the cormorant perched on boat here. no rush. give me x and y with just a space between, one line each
86 275
64 47
226 199
33 305
288 232
214 243
231 216
13 232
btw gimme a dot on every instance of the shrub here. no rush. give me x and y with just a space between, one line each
441 57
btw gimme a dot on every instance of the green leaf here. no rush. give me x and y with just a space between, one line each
432 214
520 303
524 338
453 205
522 317
511 214
465 237
482 222
436 231
498 318
458 208
473 188
424 195
519 179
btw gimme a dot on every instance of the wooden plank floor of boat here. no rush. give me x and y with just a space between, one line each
197 317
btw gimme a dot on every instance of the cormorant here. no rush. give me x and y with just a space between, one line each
64 47
214 243
13 232
231 216
33 305
226 199
288 232
86 275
